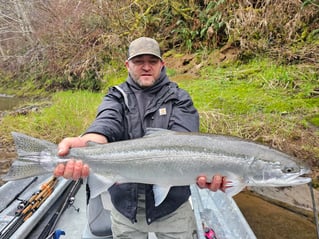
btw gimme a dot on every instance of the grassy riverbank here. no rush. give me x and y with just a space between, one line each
259 100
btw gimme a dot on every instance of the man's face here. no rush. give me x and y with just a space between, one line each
145 69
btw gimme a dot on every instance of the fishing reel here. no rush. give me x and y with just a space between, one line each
71 202
20 207
22 204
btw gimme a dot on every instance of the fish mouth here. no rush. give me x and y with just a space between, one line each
284 180
300 180
305 173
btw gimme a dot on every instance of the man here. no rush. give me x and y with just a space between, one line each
147 99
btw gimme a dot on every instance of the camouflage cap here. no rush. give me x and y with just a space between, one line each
144 46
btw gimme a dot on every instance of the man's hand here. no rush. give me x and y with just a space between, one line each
218 182
72 142
75 169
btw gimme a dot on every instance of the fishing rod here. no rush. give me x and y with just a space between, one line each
16 197
65 202
27 208
21 205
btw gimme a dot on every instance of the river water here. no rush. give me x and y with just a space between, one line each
266 219
8 102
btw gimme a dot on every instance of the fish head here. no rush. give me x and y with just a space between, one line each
277 173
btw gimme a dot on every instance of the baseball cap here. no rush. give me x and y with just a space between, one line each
144 46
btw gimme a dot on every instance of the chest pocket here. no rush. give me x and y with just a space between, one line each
160 117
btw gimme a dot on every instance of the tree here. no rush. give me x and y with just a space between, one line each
16 30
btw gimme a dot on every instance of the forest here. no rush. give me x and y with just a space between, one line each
75 44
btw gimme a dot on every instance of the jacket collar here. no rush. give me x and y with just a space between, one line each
162 80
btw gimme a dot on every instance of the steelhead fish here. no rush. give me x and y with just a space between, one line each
166 158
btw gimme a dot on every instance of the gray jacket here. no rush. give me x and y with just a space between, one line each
125 113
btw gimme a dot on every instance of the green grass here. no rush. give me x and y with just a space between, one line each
258 87
69 115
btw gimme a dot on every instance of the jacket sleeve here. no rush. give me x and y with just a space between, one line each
109 119
184 116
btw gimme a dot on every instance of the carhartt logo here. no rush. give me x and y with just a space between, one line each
162 111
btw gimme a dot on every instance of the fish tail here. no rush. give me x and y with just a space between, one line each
21 170
29 162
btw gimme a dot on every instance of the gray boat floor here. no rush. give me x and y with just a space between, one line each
79 229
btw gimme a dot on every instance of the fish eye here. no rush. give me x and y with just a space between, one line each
289 170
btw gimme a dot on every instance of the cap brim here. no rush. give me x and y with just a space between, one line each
144 53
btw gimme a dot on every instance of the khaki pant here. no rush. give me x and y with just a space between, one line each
177 225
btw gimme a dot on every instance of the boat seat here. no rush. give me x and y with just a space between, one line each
99 219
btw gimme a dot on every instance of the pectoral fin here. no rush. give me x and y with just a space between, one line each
160 194
98 184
